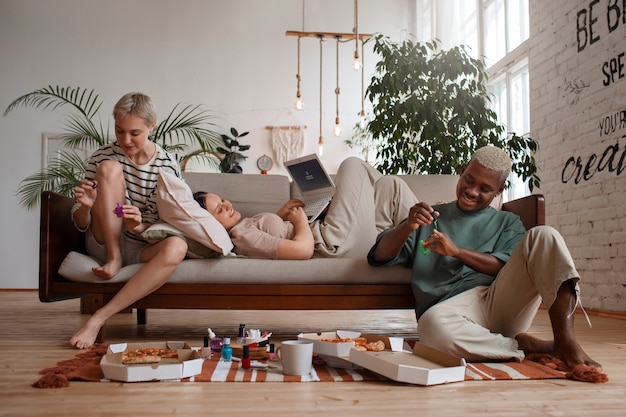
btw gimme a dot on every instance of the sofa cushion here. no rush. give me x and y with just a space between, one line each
177 207
235 270
161 230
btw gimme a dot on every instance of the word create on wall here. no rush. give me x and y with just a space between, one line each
611 159
597 20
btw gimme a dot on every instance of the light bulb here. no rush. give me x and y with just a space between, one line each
356 64
320 147
362 122
337 128
299 104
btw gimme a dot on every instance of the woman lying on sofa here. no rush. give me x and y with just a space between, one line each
365 203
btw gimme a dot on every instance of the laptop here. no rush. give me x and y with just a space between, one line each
314 183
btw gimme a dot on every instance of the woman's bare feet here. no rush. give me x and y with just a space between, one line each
572 355
86 336
108 270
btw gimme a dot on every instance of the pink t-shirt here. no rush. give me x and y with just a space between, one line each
258 236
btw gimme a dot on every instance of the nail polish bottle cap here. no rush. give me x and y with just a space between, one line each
211 333
246 351
227 341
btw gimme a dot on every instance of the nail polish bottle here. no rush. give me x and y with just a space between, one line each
227 351
245 361
241 336
215 342
205 352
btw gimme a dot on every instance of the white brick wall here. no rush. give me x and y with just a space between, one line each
591 214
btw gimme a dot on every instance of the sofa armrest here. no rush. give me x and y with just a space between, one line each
530 209
57 237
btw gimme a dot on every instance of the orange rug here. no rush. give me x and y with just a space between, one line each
86 367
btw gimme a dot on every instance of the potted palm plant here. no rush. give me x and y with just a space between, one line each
184 125
431 112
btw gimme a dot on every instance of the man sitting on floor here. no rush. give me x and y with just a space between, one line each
478 276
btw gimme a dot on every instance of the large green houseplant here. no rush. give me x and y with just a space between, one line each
431 112
185 126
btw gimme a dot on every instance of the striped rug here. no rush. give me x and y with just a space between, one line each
86 367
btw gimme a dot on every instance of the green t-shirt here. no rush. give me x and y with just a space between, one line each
436 277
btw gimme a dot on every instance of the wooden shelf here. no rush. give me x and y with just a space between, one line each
329 35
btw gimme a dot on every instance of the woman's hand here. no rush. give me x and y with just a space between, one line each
86 193
283 212
296 215
131 216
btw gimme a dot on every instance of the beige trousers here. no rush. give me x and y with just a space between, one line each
481 324
366 203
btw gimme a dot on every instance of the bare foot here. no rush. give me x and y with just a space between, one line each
532 344
108 270
572 354
86 335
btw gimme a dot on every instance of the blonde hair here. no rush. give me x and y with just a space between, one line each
495 159
136 104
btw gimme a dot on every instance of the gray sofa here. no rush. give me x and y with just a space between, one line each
241 283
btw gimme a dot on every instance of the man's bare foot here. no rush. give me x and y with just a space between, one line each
572 355
532 344
108 270
86 335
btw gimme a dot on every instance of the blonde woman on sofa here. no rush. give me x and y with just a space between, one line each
115 203
365 203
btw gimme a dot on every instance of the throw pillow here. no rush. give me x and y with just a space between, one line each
177 207
160 231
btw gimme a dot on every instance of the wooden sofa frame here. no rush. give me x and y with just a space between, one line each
58 237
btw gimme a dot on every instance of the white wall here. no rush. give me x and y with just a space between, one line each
577 113
231 56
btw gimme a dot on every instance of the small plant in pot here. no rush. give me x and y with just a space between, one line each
232 152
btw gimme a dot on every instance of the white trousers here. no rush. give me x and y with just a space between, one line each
366 202
481 324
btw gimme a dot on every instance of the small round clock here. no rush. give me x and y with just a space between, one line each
264 163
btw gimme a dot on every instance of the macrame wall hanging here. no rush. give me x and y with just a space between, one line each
287 142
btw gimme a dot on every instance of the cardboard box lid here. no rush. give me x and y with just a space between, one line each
188 363
336 349
423 366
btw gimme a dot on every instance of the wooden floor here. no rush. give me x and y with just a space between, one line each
34 335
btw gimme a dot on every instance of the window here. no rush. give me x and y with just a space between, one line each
498 31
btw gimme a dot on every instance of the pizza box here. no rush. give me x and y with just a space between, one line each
188 363
421 366
333 349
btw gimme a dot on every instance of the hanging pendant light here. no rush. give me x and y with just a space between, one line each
320 142
337 128
299 104
362 121
356 63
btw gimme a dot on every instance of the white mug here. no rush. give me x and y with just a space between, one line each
296 356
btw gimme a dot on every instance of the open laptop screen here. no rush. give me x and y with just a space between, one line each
309 175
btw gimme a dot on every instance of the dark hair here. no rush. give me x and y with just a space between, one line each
200 196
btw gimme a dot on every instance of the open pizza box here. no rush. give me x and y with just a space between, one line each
188 363
421 365
335 354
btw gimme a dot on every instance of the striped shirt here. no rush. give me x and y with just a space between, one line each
141 180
